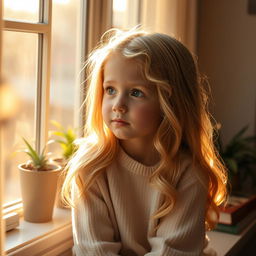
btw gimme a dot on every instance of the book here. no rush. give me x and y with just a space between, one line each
236 209
11 220
240 226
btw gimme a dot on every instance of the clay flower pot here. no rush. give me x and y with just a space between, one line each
38 189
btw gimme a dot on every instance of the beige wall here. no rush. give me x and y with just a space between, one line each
227 54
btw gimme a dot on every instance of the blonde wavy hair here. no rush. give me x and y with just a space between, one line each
186 124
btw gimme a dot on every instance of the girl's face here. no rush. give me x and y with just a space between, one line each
130 106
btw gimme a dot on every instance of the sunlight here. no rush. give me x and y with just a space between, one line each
61 1
211 162
27 5
119 5
92 139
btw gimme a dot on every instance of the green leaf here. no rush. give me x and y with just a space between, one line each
33 154
231 165
59 133
57 124
39 161
240 133
68 137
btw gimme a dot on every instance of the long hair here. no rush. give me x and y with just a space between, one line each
185 126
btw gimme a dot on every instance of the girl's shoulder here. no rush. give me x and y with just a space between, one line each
190 171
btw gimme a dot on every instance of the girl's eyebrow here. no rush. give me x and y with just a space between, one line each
142 83
137 84
109 81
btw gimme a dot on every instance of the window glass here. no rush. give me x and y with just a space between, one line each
19 70
125 13
25 10
64 60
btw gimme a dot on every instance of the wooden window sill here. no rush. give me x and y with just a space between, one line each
49 239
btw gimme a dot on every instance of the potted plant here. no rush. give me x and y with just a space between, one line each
38 179
66 140
239 156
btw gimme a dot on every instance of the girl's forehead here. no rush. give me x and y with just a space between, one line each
117 66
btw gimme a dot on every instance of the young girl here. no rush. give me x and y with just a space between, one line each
146 179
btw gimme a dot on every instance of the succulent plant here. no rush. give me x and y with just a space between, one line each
38 160
239 156
66 141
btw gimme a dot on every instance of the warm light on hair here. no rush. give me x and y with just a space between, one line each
211 163
185 127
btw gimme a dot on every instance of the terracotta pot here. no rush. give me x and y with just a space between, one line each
38 190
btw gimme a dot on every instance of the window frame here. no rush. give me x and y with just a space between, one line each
2 227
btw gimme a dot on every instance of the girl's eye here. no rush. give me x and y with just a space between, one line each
110 90
137 93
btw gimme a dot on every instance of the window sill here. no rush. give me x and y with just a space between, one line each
49 239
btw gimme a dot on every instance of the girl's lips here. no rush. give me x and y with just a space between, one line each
120 121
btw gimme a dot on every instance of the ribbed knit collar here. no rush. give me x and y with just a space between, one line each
128 163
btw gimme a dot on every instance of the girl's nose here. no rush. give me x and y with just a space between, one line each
120 106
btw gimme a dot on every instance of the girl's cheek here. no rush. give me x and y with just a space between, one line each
146 114
105 108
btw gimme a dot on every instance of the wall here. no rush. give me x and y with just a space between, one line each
227 55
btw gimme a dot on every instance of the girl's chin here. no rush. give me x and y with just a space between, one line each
122 136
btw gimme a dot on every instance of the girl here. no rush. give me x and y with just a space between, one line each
146 179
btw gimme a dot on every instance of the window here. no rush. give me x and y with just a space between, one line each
126 13
44 80
25 10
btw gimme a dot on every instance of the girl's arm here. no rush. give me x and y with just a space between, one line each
92 228
182 232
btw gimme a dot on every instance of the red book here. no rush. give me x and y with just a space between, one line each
236 209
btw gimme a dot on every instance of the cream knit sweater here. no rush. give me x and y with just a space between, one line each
116 218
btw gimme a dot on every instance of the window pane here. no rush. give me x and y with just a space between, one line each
64 61
19 70
25 10
125 13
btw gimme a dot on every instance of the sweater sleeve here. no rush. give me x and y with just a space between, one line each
182 231
93 231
